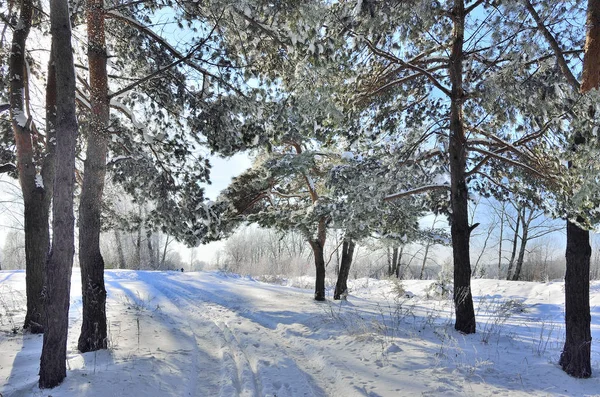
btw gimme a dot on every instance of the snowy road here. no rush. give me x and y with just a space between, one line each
208 334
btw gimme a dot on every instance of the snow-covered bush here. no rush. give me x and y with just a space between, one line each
441 288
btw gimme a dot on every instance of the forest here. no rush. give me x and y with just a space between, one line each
409 139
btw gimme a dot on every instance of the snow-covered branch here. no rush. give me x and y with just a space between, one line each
418 190
163 43
509 161
390 57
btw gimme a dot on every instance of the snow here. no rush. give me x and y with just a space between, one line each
347 156
39 181
211 334
20 117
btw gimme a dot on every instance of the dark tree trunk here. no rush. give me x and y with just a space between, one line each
36 196
460 231
318 253
93 328
393 262
341 286
318 247
575 357
58 270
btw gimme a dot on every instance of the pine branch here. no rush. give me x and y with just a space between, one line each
509 161
558 52
392 58
418 190
168 47
8 167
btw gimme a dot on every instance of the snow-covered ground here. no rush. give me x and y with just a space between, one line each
209 334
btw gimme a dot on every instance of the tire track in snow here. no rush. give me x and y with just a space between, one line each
236 375
200 360
264 367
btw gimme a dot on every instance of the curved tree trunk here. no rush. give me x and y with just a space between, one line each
93 328
341 286
60 261
460 231
575 357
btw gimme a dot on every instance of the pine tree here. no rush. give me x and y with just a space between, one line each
58 269
35 166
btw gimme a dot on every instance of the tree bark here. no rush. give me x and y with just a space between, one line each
513 255
164 254
591 66
427 246
318 246
500 242
58 270
341 285
120 253
393 262
93 328
524 238
460 231
153 263
36 196
575 358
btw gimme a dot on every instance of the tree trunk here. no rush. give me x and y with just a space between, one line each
58 270
152 263
591 66
36 199
138 248
318 246
93 328
513 255
398 260
460 231
575 357
164 254
424 260
341 285
393 262
521 257
500 242
120 253
320 269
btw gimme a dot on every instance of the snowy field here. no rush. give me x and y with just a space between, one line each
209 334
